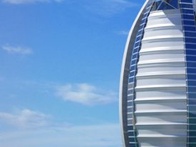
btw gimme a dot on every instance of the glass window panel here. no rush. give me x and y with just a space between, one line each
130 97
191 40
192 133
138 39
130 91
191 64
192 120
130 116
139 36
192 115
147 11
189 28
135 56
135 51
139 33
143 21
130 128
130 122
137 44
130 109
131 133
145 17
130 103
132 68
131 80
132 73
191 144
192 139
132 137
191 70
191 83
192 98
142 24
192 108
140 27
186 5
192 95
188 10
192 127
149 7
174 3
191 58
191 89
190 46
131 86
186 1
134 61
188 16
192 77
190 52
191 34
189 22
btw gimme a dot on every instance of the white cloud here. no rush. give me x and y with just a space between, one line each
28 1
17 50
100 135
85 94
24 119
123 33
29 131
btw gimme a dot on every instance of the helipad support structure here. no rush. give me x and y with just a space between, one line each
158 76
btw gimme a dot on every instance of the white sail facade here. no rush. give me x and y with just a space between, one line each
158 77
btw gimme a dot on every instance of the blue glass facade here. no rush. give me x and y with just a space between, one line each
189 27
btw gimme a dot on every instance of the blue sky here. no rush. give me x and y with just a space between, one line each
60 65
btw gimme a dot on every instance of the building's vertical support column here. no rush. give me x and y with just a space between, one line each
189 27
132 130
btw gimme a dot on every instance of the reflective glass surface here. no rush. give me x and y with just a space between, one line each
190 46
189 29
190 33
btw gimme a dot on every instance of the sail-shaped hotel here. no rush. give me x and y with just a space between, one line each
158 76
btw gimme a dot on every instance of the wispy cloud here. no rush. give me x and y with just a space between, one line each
17 50
85 94
24 119
100 135
29 1
123 33
109 7
38 130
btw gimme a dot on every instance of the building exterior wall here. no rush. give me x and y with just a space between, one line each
158 77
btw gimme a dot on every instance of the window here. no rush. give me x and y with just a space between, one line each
191 64
189 28
191 59
190 46
189 22
189 34
188 16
